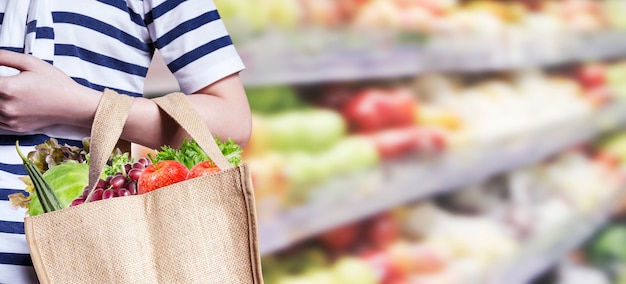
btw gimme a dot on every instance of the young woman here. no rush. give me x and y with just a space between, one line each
57 56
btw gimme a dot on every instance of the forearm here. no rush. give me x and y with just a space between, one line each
149 126
223 107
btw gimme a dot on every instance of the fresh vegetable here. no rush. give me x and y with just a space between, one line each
190 153
116 163
608 246
20 200
66 172
272 99
51 153
49 201
161 174
230 150
312 130
67 181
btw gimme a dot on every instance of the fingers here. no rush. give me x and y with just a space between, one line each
19 61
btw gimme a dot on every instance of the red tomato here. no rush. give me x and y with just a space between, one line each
363 112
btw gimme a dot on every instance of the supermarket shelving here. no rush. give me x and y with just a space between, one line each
275 59
348 199
541 255
270 60
282 62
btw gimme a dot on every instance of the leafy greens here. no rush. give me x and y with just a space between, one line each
190 153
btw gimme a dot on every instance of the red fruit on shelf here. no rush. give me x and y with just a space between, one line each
349 8
382 230
202 169
425 260
383 266
161 174
396 142
592 75
432 140
400 258
340 238
399 108
599 96
363 111
372 110
607 159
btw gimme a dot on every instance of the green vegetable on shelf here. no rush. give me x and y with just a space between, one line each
608 246
272 99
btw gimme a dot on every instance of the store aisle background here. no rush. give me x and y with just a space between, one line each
432 141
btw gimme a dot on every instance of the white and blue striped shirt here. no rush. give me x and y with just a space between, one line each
109 44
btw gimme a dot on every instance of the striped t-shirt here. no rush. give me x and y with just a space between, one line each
109 44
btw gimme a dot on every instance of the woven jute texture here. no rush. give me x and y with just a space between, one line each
201 230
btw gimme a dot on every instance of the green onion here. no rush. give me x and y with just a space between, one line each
49 200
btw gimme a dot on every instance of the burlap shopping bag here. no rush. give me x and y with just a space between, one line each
200 230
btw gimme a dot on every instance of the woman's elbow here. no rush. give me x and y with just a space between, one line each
243 129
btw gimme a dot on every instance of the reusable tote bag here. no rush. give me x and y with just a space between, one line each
201 230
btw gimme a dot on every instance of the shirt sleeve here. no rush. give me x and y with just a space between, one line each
192 40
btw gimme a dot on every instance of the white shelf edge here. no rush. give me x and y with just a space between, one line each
440 177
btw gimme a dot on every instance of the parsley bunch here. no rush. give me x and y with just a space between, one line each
190 153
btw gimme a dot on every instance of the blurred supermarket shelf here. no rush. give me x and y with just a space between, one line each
310 57
351 198
543 252
274 60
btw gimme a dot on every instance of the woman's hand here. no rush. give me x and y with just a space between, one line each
42 95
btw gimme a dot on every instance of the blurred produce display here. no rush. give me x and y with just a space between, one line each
479 17
434 141
606 251
301 141
604 254
463 237
313 41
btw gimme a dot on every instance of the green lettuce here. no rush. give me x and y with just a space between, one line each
68 180
190 153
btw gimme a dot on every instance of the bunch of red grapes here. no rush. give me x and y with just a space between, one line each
118 185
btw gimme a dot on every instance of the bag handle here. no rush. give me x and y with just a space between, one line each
111 116
106 129
177 106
